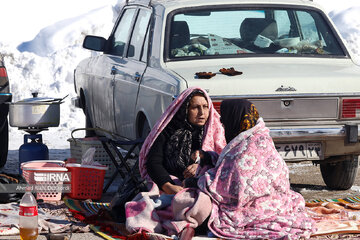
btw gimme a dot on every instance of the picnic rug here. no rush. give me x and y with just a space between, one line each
53 217
355 199
335 219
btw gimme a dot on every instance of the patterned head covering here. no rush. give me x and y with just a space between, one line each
237 115
213 134
184 138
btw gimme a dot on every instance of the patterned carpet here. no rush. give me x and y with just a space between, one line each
355 199
88 208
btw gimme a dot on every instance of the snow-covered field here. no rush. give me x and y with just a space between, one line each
42 39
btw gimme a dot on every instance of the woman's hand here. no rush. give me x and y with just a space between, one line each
169 188
190 171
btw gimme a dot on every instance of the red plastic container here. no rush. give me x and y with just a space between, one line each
86 181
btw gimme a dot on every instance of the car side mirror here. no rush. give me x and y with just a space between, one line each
94 43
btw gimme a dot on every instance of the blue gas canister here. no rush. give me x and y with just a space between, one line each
33 150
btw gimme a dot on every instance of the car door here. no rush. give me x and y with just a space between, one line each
128 75
103 87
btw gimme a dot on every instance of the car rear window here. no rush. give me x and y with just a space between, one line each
274 31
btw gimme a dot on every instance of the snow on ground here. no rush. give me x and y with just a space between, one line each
296 167
355 188
41 41
46 63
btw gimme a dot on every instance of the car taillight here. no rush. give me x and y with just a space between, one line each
350 108
3 72
217 106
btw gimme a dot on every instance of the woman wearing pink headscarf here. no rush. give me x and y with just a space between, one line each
188 124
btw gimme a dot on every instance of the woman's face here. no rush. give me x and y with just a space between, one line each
198 111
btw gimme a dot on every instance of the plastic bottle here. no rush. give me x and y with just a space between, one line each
28 217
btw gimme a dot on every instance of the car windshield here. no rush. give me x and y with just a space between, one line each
202 33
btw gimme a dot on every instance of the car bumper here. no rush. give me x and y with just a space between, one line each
310 133
5 97
335 140
4 108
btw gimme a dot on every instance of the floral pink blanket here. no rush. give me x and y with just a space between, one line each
167 214
250 191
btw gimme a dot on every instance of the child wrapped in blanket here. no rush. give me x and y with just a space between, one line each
248 182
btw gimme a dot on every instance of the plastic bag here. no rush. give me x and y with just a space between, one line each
88 157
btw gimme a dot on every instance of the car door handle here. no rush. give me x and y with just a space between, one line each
137 76
114 70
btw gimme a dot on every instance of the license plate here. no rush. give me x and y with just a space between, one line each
297 151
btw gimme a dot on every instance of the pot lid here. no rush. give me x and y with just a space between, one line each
35 98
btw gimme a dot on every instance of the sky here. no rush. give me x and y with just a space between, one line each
41 41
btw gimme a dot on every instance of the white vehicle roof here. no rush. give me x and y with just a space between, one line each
174 4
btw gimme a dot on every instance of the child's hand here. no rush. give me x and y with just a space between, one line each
190 171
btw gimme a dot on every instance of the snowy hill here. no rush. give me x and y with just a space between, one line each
46 64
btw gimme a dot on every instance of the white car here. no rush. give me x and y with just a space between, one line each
285 56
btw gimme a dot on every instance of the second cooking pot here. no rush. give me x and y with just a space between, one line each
35 112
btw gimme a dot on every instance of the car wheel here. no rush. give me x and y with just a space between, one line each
340 175
88 123
4 143
145 129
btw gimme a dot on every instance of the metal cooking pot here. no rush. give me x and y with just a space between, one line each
35 112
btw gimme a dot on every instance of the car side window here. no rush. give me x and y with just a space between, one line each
283 23
146 46
139 34
308 26
122 32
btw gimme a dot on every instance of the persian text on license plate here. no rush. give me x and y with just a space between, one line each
294 151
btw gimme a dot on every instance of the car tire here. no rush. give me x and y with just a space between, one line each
4 143
145 130
88 126
88 123
340 175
